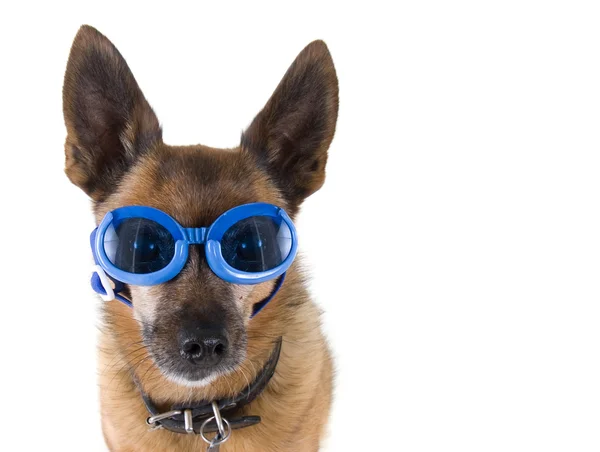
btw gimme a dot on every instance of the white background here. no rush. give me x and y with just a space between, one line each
455 246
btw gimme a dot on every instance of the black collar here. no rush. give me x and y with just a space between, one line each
198 412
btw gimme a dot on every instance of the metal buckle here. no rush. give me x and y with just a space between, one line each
222 425
188 421
159 417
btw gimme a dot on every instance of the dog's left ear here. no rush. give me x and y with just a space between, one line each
292 133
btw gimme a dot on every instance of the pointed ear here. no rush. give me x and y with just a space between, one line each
109 122
292 133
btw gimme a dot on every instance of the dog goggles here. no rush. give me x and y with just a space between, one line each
144 246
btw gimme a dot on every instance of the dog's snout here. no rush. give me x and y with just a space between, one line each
203 346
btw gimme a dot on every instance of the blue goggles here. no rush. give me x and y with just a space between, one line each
144 246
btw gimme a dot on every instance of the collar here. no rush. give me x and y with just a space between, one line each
205 416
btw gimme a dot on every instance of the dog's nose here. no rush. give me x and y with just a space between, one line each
204 348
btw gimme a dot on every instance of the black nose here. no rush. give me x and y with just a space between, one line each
203 347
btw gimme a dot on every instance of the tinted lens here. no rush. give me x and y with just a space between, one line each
256 244
139 245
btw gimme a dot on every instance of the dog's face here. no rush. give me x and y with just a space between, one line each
195 326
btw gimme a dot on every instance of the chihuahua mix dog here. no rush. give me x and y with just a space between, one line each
206 344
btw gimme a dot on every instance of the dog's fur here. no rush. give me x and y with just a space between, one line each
115 153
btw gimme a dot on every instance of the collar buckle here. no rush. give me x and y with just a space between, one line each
188 422
159 417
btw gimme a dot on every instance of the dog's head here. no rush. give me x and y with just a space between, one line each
194 326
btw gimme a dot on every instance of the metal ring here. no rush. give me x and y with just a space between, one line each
218 441
218 418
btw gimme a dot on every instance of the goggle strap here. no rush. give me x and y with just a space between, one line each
261 304
100 282
123 300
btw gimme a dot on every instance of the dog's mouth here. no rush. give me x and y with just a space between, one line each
192 377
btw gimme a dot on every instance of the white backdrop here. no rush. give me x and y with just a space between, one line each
454 248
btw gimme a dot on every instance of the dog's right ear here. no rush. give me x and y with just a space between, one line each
109 122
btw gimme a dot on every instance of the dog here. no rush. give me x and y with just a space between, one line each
188 363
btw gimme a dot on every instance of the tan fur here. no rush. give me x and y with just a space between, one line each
294 408
114 152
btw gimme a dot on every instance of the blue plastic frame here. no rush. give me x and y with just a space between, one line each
184 237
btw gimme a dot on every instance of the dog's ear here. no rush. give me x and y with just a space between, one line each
292 133
109 122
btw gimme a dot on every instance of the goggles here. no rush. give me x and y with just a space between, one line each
144 246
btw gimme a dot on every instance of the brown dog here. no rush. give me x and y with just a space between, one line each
115 153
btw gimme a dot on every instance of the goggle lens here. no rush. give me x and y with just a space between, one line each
256 244
139 245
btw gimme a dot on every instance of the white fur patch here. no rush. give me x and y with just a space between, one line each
145 303
191 383
194 383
